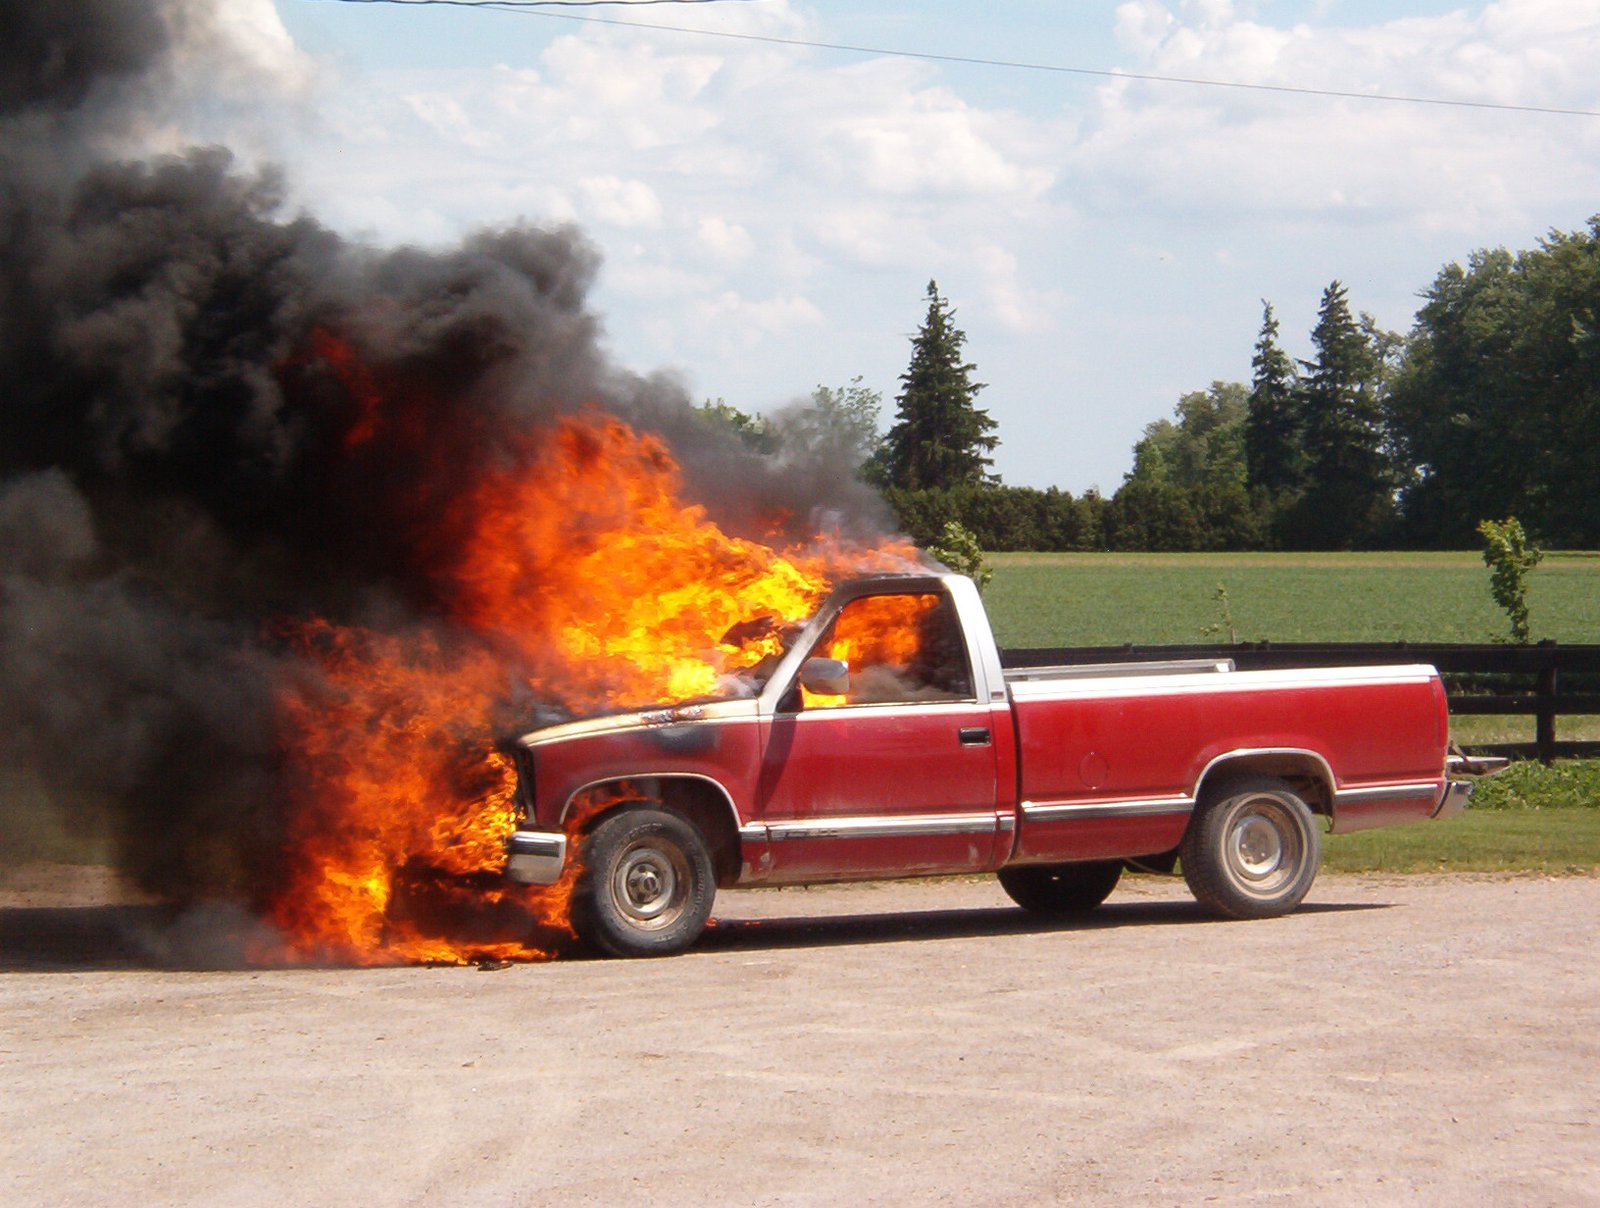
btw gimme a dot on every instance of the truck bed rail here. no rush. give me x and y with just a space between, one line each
1545 680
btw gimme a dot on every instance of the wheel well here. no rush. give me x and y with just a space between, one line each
700 802
1303 770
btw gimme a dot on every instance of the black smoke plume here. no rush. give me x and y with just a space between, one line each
177 469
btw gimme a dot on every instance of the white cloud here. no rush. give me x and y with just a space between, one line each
663 285
758 172
1215 151
924 143
630 204
632 95
736 326
449 118
777 315
1017 307
726 241
1142 26
770 214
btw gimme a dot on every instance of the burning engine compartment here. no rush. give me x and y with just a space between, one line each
294 529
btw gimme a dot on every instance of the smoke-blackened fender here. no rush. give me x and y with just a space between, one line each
718 743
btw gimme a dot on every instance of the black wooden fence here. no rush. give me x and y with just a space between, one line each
1546 680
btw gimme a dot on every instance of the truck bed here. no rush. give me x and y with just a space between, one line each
1016 675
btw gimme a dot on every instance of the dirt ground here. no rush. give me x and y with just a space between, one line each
1398 1041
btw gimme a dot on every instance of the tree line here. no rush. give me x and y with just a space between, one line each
1488 407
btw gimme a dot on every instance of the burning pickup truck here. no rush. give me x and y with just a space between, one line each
886 739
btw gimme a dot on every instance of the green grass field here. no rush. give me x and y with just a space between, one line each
1112 599
1554 842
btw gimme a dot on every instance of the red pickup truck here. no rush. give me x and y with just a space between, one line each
886 739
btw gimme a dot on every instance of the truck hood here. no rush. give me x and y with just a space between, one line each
661 717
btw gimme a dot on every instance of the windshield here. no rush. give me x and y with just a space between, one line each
750 651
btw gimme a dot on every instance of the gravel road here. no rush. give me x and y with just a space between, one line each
1397 1041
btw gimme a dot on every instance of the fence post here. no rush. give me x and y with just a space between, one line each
1545 720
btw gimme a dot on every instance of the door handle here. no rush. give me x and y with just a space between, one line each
974 736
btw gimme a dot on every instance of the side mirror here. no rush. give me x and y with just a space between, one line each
825 677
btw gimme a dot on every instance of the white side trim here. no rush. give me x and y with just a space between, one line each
884 826
1069 811
1388 792
1209 683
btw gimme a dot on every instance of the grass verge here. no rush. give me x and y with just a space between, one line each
1528 819
1553 841
1112 599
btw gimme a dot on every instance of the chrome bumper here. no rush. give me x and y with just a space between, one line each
1454 799
536 857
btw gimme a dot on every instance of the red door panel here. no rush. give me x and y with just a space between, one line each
880 789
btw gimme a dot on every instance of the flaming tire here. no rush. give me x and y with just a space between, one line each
647 885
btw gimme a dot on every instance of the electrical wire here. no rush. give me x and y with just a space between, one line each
532 8
513 5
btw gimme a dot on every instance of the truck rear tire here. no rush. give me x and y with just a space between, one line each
1252 849
646 887
1057 890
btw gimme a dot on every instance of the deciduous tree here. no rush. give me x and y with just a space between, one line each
1497 405
1194 469
837 424
753 431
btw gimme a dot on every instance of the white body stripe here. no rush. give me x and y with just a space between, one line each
1217 683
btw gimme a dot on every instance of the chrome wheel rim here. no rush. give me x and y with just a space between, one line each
1264 849
651 885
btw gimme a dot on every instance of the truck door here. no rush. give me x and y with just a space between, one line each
896 773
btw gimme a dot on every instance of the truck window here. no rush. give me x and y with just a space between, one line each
899 648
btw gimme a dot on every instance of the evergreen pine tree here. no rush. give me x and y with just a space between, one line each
1349 491
1274 459
941 438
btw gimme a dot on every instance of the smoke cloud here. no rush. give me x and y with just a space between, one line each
190 449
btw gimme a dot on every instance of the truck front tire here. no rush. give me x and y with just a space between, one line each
1252 849
1058 890
646 887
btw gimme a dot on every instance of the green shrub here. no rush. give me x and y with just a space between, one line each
958 549
1571 784
1509 557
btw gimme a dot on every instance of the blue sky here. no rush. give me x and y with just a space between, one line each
769 214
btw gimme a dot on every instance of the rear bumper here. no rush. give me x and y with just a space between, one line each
536 857
1454 799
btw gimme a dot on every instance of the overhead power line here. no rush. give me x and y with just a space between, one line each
539 8
514 5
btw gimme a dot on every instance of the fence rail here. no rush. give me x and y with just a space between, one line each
1547 680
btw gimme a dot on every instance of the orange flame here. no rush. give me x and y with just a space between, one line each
581 580
881 629
608 587
875 631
